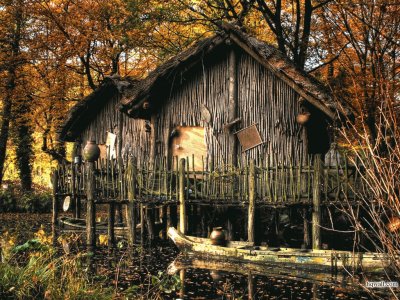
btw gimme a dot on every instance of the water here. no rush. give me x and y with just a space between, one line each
155 273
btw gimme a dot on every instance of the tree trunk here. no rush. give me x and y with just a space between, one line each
4 133
14 44
23 140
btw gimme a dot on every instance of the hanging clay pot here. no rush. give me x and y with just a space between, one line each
303 118
218 237
91 152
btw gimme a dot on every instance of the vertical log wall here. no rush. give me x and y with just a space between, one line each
262 98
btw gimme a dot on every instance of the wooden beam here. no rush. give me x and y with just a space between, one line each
182 204
252 198
153 140
232 103
111 225
130 208
316 213
90 208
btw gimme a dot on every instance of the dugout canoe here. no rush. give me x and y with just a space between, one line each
318 260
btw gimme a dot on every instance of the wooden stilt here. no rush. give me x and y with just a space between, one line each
182 204
197 221
111 223
172 216
73 189
120 213
306 235
142 211
55 207
91 209
78 206
252 198
203 222
316 214
150 223
164 222
130 208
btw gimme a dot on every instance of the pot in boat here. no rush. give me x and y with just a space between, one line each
218 236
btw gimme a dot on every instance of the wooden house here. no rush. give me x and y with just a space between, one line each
228 100
228 96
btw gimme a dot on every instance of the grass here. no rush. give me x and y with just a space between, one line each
34 270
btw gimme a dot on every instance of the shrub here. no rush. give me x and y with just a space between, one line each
13 199
36 202
8 202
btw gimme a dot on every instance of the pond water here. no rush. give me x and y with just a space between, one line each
156 271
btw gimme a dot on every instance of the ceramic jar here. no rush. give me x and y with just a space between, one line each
218 237
91 152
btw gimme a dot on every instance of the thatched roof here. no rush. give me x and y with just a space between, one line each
85 110
135 93
306 85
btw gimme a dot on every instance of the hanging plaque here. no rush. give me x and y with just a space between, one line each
110 143
249 137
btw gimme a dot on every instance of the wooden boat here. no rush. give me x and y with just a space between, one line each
317 260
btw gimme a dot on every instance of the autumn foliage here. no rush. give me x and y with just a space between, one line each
55 52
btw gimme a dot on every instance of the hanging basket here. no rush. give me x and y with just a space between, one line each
303 118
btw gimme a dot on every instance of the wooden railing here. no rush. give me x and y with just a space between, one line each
275 184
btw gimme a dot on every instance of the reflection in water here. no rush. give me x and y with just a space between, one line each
182 274
212 280
201 279
250 280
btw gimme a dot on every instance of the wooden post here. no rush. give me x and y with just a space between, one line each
150 223
164 222
73 189
172 215
130 208
252 197
306 236
232 104
142 210
182 205
78 207
111 222
316 213
91 209
121 196
55 206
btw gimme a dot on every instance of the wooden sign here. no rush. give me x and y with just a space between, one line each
249 137
189 142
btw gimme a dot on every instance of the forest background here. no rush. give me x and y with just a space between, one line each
55 52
